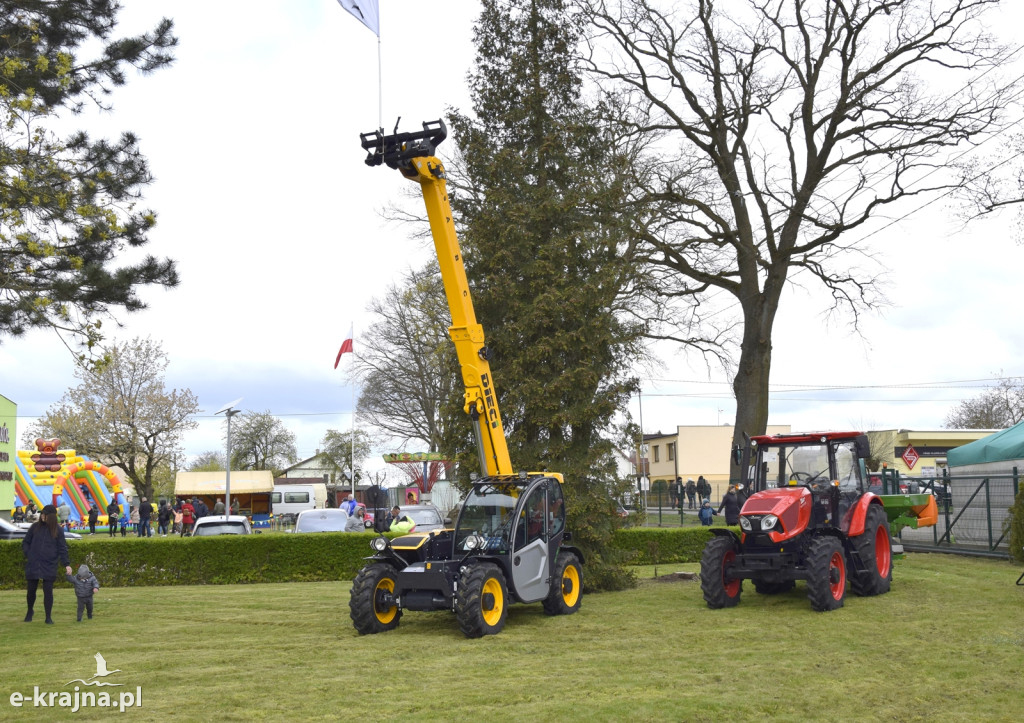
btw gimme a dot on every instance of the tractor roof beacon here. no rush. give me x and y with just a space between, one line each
809 517
509 543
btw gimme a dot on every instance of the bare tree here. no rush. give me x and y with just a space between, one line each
783 125
122 415
996 408
407 362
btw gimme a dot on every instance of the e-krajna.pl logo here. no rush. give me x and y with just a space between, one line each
77 699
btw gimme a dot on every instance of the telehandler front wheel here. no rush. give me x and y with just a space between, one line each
720 591
371 605
481 603
566 586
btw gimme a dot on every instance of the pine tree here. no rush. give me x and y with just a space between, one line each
68 205
536 194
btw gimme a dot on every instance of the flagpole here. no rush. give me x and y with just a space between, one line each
380 89
353 412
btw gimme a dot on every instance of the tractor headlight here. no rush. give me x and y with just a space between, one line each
745 524
474 542
379 543
768 522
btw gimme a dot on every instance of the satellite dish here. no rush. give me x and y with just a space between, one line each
229 405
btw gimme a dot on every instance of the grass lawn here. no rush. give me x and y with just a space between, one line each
946 644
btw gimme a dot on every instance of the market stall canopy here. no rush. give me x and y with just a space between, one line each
213 483
1003 446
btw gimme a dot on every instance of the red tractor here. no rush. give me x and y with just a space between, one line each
809 517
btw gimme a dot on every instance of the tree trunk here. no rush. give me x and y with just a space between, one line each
752 374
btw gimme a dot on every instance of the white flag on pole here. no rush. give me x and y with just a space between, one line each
366 11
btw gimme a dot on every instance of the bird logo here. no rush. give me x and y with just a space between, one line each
101 672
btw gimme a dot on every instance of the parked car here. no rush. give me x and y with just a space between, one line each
221 525
426 516
11 531
326 520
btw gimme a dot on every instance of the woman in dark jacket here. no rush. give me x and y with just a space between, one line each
731 503
44 545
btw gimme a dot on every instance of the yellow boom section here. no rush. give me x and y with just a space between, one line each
412 154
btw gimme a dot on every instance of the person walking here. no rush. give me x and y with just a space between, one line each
218 507
731 504
113 512
188 517
178 517
145 515
691 494
86 585
94 516
43 546
163 518
706 513
133 518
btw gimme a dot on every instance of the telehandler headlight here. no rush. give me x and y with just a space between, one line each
379 543
745 524
474 542
768 522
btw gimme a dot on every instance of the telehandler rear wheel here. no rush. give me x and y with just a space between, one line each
370 605
481 603
875 550
566 586
719 592
826 574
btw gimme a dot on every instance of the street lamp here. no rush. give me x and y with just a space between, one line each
228 411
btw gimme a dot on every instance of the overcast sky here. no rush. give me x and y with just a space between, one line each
265 203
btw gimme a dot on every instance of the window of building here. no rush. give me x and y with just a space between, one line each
671 449
657 456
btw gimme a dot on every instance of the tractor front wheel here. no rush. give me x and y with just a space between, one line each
371 603
481 603
720 591
566 586
826 574
874 547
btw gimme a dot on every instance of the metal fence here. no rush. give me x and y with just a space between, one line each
973 512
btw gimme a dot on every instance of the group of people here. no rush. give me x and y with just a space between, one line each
44 546
689 493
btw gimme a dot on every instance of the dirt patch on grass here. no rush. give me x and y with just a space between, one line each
674 577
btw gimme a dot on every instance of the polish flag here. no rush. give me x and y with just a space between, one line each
346 346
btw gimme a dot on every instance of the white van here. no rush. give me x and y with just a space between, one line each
289 500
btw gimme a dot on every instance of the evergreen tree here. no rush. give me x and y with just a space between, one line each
536 196
68 205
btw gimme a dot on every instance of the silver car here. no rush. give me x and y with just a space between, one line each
426 516
326 520
221 525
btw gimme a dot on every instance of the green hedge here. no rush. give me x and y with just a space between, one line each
281 557
657 545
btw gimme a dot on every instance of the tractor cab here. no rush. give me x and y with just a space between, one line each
801 481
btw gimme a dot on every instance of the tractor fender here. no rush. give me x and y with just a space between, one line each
722 532
853 522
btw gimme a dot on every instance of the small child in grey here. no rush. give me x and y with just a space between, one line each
85 585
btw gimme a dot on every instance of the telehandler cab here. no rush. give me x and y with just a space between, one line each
809 517
509 543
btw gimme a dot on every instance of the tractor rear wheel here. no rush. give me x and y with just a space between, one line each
481 603
773 588
875 550
566 586
826 574
370 604
719 592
